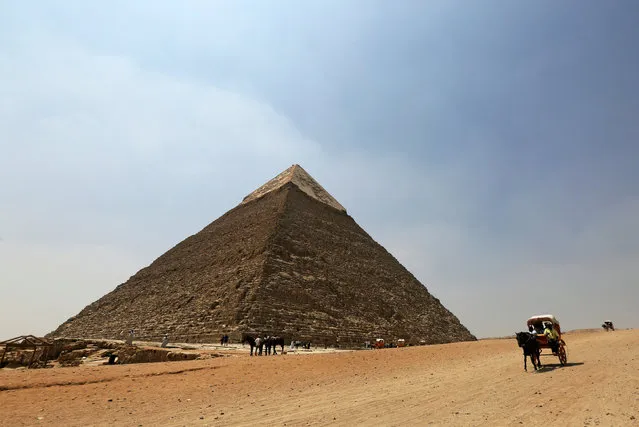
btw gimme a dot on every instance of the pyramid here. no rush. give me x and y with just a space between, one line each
288 260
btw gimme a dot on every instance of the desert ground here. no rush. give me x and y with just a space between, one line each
472 383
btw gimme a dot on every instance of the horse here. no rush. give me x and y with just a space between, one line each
251 341
528 342
267 345
274 342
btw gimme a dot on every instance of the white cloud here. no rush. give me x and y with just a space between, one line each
63 99
102 155
82 130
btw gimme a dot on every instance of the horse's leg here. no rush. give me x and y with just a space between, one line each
525 367
538 354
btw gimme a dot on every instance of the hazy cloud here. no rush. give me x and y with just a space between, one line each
491 148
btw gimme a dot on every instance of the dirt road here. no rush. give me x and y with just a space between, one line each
478 383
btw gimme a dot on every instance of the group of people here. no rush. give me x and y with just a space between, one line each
550 333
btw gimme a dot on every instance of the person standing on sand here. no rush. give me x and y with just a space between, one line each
129 339
258 345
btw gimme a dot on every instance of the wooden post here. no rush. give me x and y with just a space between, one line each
46 355
35 349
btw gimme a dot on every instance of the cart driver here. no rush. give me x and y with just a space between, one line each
553 337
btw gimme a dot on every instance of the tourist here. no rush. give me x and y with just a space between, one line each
552 336
129 339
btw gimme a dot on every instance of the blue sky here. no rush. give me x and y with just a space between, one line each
490 146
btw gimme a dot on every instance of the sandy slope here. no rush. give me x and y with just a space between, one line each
478 383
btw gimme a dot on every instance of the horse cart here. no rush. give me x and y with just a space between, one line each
537 322
379 343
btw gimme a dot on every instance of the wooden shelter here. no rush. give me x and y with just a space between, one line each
38 347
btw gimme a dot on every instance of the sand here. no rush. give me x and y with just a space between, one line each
475 383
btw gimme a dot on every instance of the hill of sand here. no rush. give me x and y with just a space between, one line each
469 383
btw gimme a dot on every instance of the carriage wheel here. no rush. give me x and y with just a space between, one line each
563 357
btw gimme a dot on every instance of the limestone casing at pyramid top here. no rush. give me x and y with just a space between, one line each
300 178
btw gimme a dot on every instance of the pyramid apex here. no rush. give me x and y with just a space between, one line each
296 175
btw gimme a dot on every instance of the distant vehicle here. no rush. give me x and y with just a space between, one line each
401 342
537 322
379 343
608 326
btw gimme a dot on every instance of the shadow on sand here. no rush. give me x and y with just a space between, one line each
549 367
